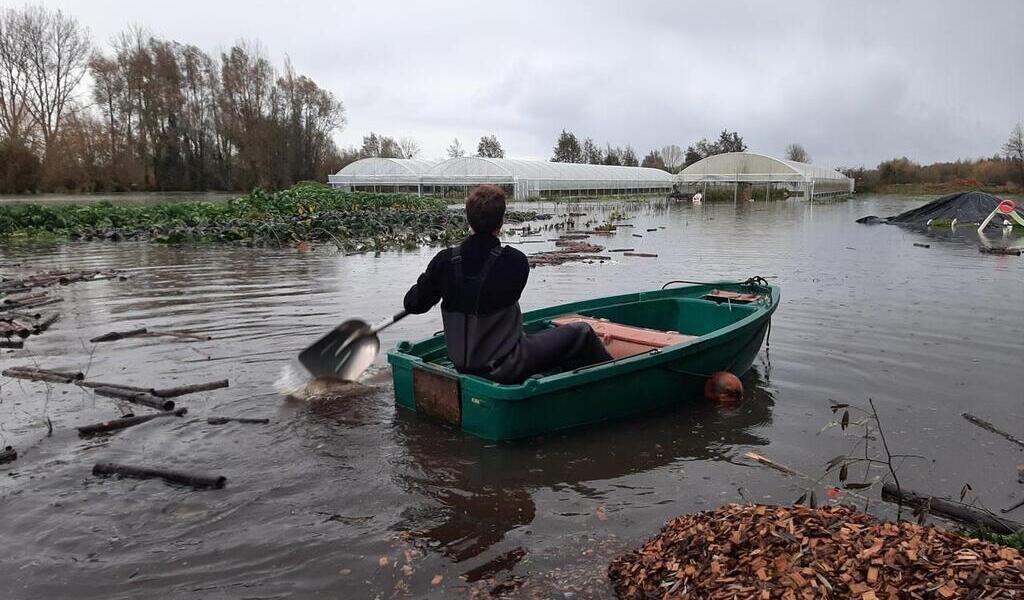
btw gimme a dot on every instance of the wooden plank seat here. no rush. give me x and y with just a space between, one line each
626 340
727 296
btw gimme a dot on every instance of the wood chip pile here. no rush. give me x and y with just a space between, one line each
795 552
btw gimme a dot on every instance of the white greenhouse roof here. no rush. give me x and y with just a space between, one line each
751 167
517 169
386 166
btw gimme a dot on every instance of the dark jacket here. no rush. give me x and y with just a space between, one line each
482 320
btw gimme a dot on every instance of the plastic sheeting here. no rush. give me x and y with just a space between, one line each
965 207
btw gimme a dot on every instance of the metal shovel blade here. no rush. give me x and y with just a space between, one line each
344 353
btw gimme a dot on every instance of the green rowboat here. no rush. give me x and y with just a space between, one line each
727 332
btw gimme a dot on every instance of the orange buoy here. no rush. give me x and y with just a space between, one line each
723 387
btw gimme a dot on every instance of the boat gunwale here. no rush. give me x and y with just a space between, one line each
596 373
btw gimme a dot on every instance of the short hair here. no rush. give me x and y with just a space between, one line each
485 208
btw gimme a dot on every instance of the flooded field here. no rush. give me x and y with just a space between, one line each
352 498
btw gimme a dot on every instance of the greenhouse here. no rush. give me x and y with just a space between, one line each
749 176
521 178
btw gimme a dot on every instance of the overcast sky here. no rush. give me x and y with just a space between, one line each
854 82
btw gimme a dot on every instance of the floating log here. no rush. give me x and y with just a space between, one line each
117 335
45 323
653 229
191 389
23 298
1002 251
124 422
990 427
951 510
136 397
637 235
119 386
38 376
15 344
223 420
640 254
74 375
922 245
191 479
194 336
8 454
622 249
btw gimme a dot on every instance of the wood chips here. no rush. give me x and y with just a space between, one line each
795 552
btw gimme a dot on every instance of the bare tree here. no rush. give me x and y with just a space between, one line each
455 149
672 155
55 58
795 152
14 117
1014 149
409 147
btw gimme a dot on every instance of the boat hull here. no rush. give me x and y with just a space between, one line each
728 339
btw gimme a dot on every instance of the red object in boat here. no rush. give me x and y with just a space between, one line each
723 387
1007 206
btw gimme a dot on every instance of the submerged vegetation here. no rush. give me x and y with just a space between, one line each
305 212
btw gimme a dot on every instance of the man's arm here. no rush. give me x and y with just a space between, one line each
426 292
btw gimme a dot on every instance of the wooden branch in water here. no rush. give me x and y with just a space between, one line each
223 420
954 511
119 386
197 481
178 334
74 375
191 389
15 344
8 454
990 427
640 254
38 376
124 422
117 335
45 323
136 397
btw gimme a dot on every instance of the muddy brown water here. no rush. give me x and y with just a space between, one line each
352 498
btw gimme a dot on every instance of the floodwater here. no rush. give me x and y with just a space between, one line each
352 498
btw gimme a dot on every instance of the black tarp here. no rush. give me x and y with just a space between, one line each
965 207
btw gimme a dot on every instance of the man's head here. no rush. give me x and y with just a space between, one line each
485 209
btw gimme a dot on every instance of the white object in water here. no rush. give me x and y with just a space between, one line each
697 198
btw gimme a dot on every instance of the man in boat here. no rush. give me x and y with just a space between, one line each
479 283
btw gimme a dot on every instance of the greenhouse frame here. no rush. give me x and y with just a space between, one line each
741 172
521 178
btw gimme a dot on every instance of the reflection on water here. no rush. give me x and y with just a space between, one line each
346 496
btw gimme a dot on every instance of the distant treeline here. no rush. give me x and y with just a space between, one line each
152 114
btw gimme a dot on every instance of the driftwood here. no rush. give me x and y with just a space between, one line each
124 422
74 375
39 376
181 334
119 386
223 420
45 323
117 335
191 389
1003 251
197 481
637 235
954 511
143 332
640 254
142 398
12 344
622 249
8 454
990 427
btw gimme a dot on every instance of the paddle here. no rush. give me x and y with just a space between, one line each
347 350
